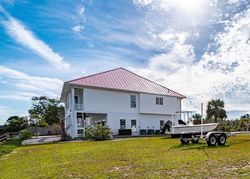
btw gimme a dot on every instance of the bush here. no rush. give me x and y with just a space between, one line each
25 134
234 125
98 132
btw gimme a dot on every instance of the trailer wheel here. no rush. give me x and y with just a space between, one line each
211 140
184 140
222 139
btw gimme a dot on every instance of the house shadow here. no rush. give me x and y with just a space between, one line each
199 146
203 145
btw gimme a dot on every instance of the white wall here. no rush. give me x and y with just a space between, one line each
103 101
117 106
143 121
148 104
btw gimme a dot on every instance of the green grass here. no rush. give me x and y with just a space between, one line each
152 157
9 146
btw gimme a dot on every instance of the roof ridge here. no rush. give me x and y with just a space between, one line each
153 82
94 74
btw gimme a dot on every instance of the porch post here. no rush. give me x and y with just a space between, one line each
74 119
73 98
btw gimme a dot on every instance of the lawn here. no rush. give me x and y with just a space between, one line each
151 157
9 146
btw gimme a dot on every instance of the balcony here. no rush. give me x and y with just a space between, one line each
78 107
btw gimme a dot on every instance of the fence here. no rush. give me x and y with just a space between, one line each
48 130
8 135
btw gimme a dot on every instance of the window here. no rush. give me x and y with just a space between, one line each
161 124
80 120
132 101
122 124
159 100
76 99
80 131
133 123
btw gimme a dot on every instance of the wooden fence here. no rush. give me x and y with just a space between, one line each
8 135
48 130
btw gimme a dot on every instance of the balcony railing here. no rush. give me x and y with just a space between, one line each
78 106
81 123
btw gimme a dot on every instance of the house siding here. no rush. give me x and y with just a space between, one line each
116 105
148 104
104 101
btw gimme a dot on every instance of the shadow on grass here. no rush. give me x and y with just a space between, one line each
241 141
9 145
199 146
202 146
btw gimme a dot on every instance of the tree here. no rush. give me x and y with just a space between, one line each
215 110
197 118
44 109
15 124
246 116
61 116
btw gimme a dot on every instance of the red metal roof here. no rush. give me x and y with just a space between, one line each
122 79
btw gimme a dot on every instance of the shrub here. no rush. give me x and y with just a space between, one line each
25 134
98 132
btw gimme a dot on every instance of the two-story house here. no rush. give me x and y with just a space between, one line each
120 99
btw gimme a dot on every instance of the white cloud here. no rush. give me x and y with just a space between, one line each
22 96
223 73
78 28
180 55
25 37
81 10
233 1
180 13
80 19
29 86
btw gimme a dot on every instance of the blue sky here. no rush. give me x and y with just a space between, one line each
201 48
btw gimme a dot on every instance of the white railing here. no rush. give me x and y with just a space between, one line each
81 123
78 106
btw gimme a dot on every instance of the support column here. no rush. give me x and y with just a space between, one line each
74 119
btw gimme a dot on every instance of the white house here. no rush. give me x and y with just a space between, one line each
126 102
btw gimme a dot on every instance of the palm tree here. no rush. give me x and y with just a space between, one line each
197 118
215 110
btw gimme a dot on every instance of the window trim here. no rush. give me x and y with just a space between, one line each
132 101
159 101
80 130
123 124
131 123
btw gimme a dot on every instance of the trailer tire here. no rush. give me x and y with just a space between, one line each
184 140
222 139
211 141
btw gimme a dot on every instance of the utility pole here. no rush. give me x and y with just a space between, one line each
201 120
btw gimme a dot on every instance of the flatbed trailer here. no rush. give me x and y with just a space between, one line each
212 138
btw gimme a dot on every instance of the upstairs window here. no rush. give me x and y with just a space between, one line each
132 101
76 99
159 100
122 124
